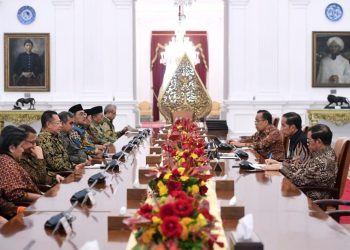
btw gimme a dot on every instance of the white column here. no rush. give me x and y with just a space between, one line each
299 58
124 44
237 49
62 50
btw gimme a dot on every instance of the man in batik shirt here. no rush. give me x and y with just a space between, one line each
107 127
95 126
54 153
79 135
320 170
267 141
33 161
76 155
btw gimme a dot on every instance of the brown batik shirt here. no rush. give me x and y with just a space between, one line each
320 170
15 182
36 168
268 142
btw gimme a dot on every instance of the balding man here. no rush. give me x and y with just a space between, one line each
334 68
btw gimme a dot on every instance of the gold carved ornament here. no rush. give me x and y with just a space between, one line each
19 117
337 117
184 92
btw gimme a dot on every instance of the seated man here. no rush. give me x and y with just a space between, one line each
107 126
267 141
95 126
55 154
76 155
33 161
79 135
319 170
291 128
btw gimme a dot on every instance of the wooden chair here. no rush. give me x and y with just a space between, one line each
145 109
275 121
342 150
215 111
182 114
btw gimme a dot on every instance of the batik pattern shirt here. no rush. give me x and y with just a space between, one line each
80 137
36 168
15 182
55 154
109 130
297 148
100 136
75 154
268 142
320 170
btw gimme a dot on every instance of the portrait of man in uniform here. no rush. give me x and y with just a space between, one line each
331 59
27 62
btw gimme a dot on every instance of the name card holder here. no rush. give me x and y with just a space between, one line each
135 196
144 175
157 150
153 159
115 223
225 189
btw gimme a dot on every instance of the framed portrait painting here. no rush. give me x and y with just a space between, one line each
330 59
27 62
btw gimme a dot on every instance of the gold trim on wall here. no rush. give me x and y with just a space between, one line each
19 117
339 117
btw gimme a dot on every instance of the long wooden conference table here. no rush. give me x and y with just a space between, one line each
284 218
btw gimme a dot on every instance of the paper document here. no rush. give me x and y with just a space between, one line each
228 156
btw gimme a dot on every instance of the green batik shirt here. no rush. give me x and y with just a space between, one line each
108 130
100 137
36 168
76 155
56 156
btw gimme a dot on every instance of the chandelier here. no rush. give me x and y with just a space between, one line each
179 44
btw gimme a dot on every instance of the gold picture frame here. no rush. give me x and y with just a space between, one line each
27 62
330 66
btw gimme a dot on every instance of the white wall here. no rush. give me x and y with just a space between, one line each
91 54
270 58
100 49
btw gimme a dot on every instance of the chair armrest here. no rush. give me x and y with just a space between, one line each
22 203
323 204
43 188
338 213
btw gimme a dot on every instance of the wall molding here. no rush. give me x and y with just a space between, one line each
300 3
238 2
62 3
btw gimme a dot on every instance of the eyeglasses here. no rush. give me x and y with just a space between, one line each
82 114
257 121
56 122
31 142
309 140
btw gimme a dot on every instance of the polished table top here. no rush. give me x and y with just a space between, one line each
284 218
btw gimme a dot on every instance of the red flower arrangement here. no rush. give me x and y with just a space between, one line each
176 222
178 217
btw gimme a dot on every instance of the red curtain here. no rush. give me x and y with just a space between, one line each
158 41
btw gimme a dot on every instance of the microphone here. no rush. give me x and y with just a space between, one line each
62 221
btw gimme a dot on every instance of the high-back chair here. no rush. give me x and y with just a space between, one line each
275 121
342 150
